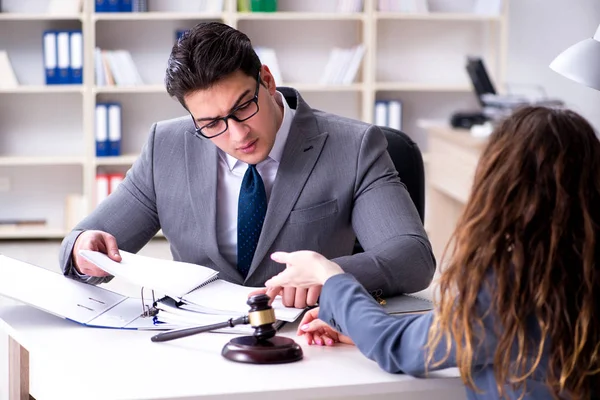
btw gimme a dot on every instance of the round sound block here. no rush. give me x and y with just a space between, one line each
248 349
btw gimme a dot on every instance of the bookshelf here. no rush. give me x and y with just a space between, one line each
47 144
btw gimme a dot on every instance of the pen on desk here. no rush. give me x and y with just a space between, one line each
82 306
97 301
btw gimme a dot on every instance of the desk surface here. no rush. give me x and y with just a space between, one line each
69 360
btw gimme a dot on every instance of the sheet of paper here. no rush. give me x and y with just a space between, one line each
226 298
54 293
173 278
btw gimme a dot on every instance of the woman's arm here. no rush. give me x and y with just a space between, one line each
395 342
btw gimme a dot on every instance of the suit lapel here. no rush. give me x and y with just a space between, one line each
301 152
202 158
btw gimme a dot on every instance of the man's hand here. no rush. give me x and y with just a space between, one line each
291 296
318 332
96 241
304 269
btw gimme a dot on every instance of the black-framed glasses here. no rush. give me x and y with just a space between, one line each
241 113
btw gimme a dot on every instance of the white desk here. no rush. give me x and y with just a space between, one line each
69 361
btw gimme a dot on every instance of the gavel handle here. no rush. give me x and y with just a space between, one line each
184 332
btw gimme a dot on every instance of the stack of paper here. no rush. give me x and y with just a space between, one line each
195 293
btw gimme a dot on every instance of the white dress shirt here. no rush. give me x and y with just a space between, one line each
229 180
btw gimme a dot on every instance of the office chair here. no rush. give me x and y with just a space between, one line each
408 161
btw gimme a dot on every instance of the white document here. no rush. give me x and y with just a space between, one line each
222 297
66 298
174 278
195 285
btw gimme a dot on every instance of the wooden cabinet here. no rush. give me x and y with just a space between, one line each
452 161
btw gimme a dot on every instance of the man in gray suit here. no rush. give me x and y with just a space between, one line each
256 170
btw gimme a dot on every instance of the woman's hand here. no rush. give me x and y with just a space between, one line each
304 269
318 332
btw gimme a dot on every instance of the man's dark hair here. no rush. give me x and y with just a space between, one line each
204 55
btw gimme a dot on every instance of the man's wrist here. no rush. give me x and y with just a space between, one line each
330 269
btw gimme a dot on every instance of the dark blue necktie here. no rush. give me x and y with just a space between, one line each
252 207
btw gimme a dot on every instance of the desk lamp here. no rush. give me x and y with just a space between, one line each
581 62
263 347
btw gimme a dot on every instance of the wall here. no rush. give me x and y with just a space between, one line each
539 31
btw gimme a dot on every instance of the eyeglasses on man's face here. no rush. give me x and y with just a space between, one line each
241 113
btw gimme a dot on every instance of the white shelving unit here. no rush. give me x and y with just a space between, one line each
47 147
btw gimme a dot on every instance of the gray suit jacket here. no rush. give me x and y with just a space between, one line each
397 342
335 182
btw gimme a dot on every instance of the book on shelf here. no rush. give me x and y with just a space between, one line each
63 57
115 67
108 129
257 5
8 79
64 7
106 184
268 57
342 65
388 113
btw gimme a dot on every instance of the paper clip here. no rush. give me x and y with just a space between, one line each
148 311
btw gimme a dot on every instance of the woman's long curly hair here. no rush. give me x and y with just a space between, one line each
529 236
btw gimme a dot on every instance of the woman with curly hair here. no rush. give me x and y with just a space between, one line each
519 305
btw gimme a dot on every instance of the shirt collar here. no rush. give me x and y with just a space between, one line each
280 138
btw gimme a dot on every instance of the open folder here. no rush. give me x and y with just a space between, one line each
76 301
195 288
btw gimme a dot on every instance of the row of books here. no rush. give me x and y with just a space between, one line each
115 68
112 6
388 113
257 5
63 57
106 184
343 65
108 129
102 6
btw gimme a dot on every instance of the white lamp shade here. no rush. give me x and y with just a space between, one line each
581 62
